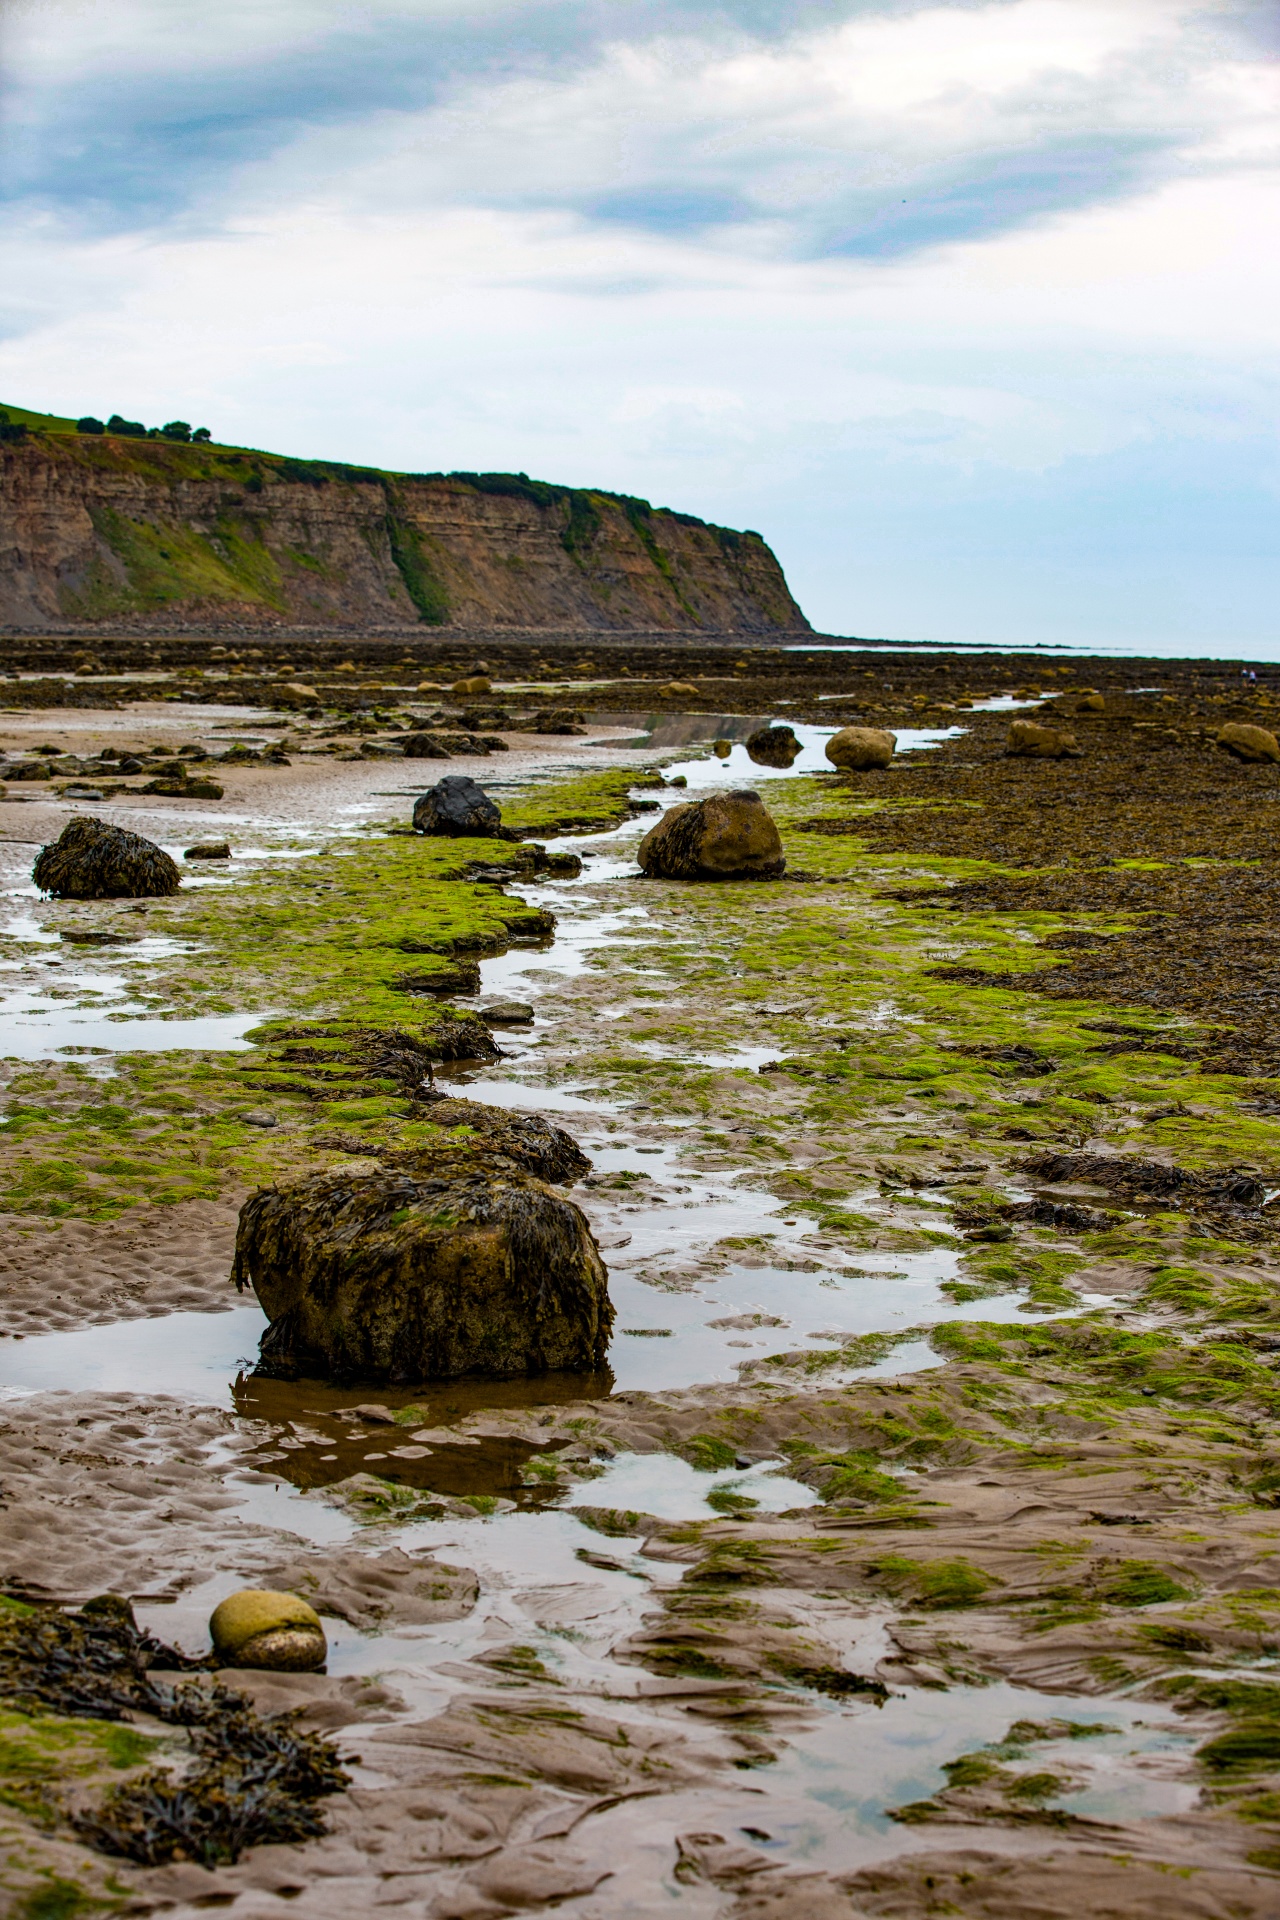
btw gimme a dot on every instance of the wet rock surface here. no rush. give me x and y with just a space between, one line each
857 749
93 860
458 807
728 837
463 1266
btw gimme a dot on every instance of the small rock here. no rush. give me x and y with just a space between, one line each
506 1013
678 690
374 1414
678 780
1028 741
1091 702
258 1628
458 807
773 746
1248 742
99 937
259 1118
730 836
474 683
722 749
91 860
858 749
82 793
209 850
424 746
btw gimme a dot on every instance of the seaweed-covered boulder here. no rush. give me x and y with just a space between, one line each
462 1265
92 860
1249 743
459 1036
731 836
259 1628
772 746
530 1142
858 749
457 806
1027 741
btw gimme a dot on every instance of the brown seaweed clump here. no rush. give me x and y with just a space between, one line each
463 1264
92 860
532 1143
96 1662
731 836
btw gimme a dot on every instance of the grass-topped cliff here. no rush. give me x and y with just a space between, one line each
119 525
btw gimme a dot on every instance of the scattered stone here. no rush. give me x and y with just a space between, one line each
1028 741
678 690
473 683
99 937
1248 742
424 746
858 749
730 836
722 749
374 1414
458 807
463 1266
773 746
560 720
259 1117
91 860
82 793
209 850
259 1628
506 1013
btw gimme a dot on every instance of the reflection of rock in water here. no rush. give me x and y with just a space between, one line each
730 836
773 746
463 1265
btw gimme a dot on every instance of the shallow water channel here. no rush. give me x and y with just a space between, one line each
822 1803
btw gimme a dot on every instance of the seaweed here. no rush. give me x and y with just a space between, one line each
92 860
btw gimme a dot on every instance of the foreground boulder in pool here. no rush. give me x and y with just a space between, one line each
458 807
460 1265
729 837
772 746
91 860
276 1631
1249 743
858 749
1027 741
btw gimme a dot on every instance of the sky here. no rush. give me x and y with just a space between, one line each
969 308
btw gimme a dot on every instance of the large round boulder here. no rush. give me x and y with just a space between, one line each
457 806
731 836
858 749
1027 741
460 1265
772 746
1249 743
92 860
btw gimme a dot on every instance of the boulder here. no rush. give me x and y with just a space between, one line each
731 836
257 1628
424 746
1028 741
773 746
560 720
457 806
722 749
91 860
857 749
1249 743
209 850
461 1265
473 683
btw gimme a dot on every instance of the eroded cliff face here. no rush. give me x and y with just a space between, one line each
100 529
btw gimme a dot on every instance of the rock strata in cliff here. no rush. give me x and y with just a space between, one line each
105 528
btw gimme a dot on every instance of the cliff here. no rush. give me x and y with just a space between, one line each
100 528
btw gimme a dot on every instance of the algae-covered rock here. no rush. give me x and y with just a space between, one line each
456 806
731 836
92 860
772 746
209 850
473 683
534 1144
258 1628
856 749
722 749
1248 742
1028 741
460 1265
